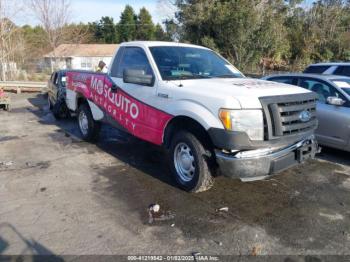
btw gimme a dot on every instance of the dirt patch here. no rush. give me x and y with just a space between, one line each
287 206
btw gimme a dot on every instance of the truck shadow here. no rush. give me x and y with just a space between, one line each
305 208
334 155
132 151
30 249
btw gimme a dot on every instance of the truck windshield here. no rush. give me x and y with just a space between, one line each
179 62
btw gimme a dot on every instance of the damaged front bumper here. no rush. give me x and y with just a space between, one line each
261 163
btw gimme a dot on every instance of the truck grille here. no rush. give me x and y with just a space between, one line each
289 115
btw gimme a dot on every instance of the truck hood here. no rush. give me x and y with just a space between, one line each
246 90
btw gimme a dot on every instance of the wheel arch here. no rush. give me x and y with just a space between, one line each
96 112
183 122
74 100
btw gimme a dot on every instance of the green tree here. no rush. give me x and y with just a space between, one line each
35 44
145 26
127 24
104 31
96 32
159 33
235 28
108 30
172 30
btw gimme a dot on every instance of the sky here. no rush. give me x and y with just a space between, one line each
92 10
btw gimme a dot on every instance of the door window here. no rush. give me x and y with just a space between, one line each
322 89
86 63
133 58
55 79
116 62
284 80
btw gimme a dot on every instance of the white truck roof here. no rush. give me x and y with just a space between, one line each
159 43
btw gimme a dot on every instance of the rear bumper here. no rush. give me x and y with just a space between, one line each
260 164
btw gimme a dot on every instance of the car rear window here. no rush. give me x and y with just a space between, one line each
316 69
343 71
284 80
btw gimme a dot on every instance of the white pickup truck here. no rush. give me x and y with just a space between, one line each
210 118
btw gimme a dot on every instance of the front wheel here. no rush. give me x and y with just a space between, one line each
89 128
189 163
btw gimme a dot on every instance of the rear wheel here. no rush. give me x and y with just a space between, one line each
189 163
60 109
89 128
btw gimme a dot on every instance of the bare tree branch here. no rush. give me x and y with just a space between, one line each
53 16
11 41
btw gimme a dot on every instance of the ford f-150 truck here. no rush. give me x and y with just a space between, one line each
210 118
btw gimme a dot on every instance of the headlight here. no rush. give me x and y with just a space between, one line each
248 121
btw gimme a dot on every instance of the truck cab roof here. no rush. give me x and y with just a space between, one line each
159 43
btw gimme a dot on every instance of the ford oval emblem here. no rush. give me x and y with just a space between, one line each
305 116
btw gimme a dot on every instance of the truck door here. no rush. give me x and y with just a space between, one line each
147 121
133 58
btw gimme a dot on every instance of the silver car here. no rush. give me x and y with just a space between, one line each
333 106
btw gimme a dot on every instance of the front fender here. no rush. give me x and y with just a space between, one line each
197 112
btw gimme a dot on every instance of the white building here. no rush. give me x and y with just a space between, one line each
79 56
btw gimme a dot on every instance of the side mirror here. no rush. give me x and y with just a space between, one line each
134 76
336 101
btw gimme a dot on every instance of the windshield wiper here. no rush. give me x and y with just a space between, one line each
186 77
200 76
226 76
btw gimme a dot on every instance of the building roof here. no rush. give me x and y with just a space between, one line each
83 50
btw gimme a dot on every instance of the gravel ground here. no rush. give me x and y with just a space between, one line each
62 196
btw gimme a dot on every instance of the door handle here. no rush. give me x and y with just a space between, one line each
114 88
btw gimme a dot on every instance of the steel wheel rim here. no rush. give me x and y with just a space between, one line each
184 162
83 123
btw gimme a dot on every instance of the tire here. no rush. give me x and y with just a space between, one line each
49 102
89 128
60 110
189 163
